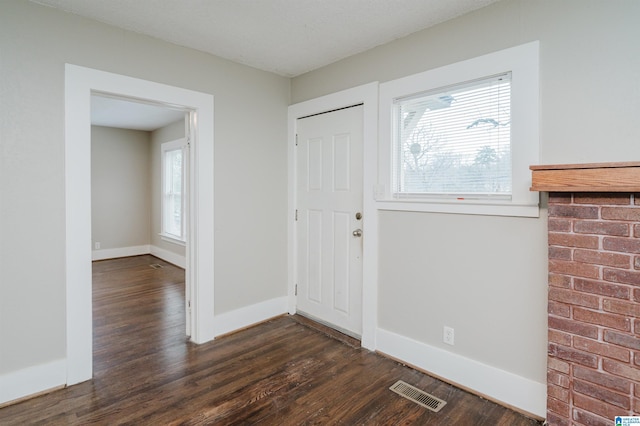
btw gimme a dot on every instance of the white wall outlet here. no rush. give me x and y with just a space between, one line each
96 246
447 335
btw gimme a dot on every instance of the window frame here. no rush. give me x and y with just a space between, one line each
166 147
523 64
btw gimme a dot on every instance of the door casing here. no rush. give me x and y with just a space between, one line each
366 94
80 83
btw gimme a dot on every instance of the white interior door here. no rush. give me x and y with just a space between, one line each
329 218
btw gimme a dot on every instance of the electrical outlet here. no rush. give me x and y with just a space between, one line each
447 335
97 246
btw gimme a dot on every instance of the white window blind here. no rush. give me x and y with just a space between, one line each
454 142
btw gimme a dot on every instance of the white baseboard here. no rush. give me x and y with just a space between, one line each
32 380
168 256
501 386
119 252
249 315
158 252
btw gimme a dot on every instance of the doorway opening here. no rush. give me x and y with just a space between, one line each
130 178
80 84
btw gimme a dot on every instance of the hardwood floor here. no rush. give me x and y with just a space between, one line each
286 371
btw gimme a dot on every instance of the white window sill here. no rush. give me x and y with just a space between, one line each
475 207
172 239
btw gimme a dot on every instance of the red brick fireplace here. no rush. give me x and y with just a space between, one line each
593 369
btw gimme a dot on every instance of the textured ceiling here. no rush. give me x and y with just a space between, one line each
287 37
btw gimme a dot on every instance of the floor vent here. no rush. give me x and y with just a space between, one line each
416 395
156 265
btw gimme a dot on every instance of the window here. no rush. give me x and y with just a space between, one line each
455 142
173 190
461 138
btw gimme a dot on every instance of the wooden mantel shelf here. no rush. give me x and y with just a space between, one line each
594 177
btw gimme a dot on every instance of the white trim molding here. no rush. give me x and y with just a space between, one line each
250 315
501 386
164 254
367 94
115 253
523 62
80 83
32 380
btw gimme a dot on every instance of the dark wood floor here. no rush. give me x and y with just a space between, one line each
283 372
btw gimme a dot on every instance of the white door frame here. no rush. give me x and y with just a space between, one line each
80 82
366 94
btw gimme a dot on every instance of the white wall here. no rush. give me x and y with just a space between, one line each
120 188
250 168
486 276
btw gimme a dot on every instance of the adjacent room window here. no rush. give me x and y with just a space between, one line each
173 190
461 138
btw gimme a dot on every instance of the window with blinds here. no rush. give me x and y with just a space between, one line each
173 188
454 142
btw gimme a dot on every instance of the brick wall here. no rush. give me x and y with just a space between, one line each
594 308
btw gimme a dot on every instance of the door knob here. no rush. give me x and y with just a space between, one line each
357 233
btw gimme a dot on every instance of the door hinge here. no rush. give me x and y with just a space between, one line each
295 291
296 139
296 215
189 303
